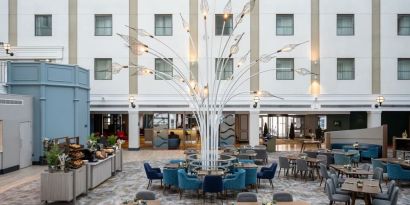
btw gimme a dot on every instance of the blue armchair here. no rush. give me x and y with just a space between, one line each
235 181
152 174
395 172
267 173
170 178
251 177
371 152
212 184
186 182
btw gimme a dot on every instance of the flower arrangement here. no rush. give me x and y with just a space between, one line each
92 142
63 158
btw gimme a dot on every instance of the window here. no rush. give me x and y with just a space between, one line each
103 25
345 68
403 69
103 69
163 24
164 68
219 22
403 24
345 24
227 71
284 24
284 69
43 24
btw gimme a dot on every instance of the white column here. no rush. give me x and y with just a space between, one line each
374 118
253 127
133 130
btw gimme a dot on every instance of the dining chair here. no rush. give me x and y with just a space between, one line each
336 184
212 184
186 182
322 158
378 175
247 197
303 168
152 173
333 196
323 173
170 178
267 173
235 181
282 197
388 194
341 159
392 201
285 165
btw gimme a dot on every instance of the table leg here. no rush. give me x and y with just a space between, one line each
353 198
301 148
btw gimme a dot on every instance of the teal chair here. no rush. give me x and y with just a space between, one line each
170 178
235 181
341 159
176 161
186 182
251 177
378 163
395 172
245 161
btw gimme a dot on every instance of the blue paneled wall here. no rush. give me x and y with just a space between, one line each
60 99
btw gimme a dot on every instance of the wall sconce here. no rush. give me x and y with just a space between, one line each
7 47
379 100
132 101
256 99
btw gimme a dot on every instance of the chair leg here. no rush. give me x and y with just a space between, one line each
321 180
180 193
271 183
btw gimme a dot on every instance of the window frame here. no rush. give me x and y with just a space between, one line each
337 24
293 24
398 24
155 24
225 71
230 28
95 70
282 70
166 64
37 27
398 71
95 24
353 69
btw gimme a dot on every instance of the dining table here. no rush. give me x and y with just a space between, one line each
316 143
312 162
370 186
352 172
277 203
246 165
403 163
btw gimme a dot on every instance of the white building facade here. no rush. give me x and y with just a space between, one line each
358 50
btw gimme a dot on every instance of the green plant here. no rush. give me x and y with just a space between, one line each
292 131
93 137
52 155
111 140
265 130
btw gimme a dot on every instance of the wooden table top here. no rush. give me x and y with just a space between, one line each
246 165
344 170
308 159
369 186
277 203
403 163
213 173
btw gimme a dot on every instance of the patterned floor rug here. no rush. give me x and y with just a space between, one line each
132 179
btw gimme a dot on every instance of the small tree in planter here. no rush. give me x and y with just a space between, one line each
265 130
52 157
111 140
292 131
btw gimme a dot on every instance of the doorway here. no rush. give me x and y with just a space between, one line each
26 144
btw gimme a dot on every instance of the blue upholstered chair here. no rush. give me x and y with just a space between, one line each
250 161
176 161
378 163
341 159
212 184
371 152
395 172
186 182
251 177
267 173
152 173
170 178
235 181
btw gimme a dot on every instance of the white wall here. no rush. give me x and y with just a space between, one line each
393 46
4 20
26 25
270 42
91 46
357 46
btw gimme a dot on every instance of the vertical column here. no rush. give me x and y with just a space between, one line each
193 46
72 31
315 47
133 59
133 130
254 127
375 46
254 45
13 22
374 119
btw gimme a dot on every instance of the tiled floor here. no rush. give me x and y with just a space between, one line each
23 187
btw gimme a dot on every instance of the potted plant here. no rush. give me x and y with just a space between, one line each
265 130
292 131
111 140
52 157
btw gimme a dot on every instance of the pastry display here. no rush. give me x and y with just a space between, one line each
74 146
109 151
101 154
